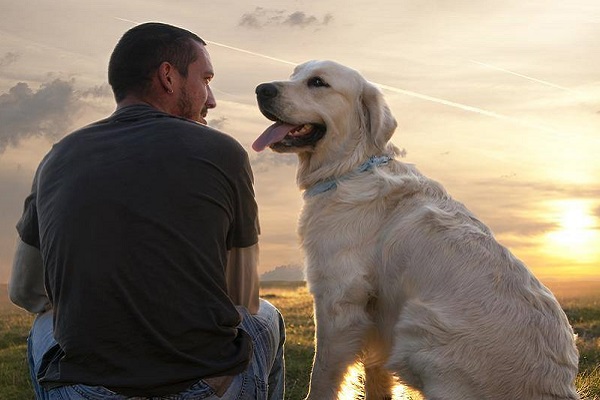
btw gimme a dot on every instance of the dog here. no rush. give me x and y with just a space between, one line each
404 278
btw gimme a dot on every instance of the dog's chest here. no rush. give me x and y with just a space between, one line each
341 245
336 225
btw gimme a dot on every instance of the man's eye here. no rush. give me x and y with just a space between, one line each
317 82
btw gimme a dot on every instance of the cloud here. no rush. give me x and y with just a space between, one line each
267 160
9 58
300 19
100 91
511 207
25 113
521 226
262 17
48 111
535 190
250 21
218 123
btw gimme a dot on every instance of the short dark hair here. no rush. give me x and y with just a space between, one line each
142 49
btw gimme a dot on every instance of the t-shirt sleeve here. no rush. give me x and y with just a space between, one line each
246 227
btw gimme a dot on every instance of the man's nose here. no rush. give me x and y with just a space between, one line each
211 102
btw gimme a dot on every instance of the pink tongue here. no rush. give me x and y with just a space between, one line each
273 134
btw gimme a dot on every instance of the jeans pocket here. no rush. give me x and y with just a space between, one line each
198 391
92 393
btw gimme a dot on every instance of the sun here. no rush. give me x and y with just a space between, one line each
577 234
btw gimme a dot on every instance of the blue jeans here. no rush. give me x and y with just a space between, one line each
262 380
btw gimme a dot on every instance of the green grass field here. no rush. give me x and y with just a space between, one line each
581 303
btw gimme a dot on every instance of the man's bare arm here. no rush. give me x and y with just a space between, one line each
242 277
26 285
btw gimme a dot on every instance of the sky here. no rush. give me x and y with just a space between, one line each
497 100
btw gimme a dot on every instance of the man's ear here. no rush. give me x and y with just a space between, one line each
379 123
166 76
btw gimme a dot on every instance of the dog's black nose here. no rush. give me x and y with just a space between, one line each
266 91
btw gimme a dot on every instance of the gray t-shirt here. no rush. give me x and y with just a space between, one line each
133 216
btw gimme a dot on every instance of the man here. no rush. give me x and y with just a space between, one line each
139 240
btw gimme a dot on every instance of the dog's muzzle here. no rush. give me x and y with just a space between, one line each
283 136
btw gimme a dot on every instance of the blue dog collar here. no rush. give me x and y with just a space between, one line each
330 184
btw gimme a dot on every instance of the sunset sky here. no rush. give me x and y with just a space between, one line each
497 100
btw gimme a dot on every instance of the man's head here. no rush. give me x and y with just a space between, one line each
165 66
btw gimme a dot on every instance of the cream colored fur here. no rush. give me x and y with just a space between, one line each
403 276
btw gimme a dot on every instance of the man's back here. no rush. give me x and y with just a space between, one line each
136 214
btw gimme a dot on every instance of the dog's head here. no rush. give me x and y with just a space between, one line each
325 107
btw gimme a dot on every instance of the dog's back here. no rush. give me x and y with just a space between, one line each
471 315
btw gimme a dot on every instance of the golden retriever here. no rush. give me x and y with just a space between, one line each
404 277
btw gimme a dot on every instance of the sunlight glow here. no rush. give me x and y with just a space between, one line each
577 236
353 385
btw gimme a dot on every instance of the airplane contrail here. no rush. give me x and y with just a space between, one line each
229 47
417 95
468 108
523 76
252 53
421 96
127 20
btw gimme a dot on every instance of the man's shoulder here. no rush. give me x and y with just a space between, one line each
203 135
169 132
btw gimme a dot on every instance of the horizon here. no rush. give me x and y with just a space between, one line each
499 102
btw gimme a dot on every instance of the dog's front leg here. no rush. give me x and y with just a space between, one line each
341 325
379 383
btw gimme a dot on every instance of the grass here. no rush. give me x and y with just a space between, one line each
14 375
295 303
584 315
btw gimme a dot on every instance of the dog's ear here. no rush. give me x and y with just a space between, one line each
376 118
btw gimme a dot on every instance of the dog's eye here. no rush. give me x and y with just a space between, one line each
317 82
